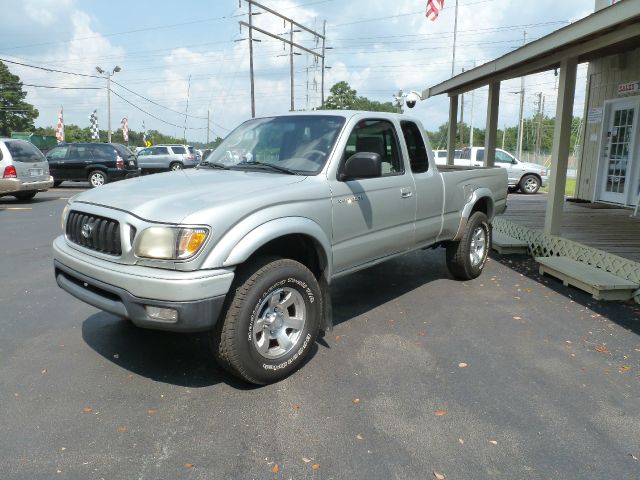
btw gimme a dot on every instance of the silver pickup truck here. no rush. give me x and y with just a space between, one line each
246 245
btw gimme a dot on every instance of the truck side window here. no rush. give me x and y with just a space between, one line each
502 157
418 158
376 136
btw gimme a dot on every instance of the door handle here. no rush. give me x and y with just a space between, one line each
405 192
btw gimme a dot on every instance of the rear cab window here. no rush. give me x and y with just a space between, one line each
25 152
418 158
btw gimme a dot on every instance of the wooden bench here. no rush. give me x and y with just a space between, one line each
600 284
506 245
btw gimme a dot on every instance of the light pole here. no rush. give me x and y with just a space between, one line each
108 76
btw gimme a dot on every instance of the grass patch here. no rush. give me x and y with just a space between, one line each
570 188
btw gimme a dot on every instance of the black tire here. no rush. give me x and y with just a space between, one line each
176 166
57 183
237 337
25 195
97 178
477 240
529 184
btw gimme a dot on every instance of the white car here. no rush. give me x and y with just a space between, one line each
24 170
523 176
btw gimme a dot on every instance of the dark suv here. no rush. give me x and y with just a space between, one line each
97 163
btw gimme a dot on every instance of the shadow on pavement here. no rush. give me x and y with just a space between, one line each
183 359
366 290
177 358
626 314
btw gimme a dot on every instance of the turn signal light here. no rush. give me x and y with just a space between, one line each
10 172
190 241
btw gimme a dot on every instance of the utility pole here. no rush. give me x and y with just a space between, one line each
540 115
208 123
253 93
289 42
455 34
520 122
462 118
471 121
504 132
108 76
186 110
324 30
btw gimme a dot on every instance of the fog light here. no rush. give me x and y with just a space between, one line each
168 315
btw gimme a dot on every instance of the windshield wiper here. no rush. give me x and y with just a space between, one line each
277 168
213 165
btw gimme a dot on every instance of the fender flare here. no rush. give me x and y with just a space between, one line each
266 232
475 196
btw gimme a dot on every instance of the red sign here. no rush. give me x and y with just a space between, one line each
625 88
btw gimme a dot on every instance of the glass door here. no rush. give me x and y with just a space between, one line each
617 155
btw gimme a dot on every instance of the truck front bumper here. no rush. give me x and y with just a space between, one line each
189 301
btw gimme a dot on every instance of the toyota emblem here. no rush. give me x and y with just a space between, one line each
86 230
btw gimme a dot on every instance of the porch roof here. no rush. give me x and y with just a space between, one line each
614 29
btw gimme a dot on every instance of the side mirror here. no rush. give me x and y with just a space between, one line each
362 165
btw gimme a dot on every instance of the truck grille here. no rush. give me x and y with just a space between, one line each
96 233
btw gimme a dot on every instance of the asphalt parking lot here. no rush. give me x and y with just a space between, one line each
508 376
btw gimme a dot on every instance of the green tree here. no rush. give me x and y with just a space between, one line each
343 97
16 115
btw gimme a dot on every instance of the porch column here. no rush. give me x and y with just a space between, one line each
493 103
560 149
453 123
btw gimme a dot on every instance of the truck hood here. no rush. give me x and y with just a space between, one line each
534 167
172 196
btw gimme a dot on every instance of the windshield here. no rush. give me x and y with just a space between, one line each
300 143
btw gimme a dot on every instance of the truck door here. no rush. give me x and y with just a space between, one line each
429 188
372 217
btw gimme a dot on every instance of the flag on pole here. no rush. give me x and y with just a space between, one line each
125 129
145 142
60 129
433 8
93 125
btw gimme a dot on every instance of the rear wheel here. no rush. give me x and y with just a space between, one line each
529 184
466 258
97 178
25 195
271 321
175 166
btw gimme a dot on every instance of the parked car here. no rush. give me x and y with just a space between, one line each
441 155
523 176
97 163
206 152
160 158
247 249
24 169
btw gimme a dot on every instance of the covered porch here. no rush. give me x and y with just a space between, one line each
596 239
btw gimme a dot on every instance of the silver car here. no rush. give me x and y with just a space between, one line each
160 158
24 170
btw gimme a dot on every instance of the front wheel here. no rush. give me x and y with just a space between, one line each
271 322
97 178
466 258
529 184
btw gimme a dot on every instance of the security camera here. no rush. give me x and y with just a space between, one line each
412 98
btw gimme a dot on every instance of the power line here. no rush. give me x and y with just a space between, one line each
49 69
156 103
153 116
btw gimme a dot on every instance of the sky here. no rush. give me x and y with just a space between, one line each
181 60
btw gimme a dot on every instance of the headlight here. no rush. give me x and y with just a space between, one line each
168 243
63 217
